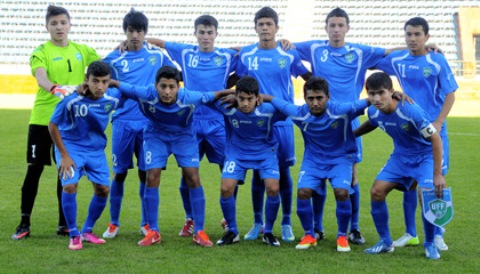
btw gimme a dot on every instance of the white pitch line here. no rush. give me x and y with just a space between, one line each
464 134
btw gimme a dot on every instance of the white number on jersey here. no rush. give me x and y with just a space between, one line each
81 111
253 64
324 56
401 69
229 167
125 68
193 61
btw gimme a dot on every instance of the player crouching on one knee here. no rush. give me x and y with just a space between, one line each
417 155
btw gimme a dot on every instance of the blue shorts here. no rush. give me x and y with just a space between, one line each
211 140
403 170
314 176
286 144
237 169
93 163
358 141
445 152
127 140
159 145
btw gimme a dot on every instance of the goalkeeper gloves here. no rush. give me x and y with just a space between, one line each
62 91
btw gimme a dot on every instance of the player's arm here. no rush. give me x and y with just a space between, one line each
429 47
157 42
46 84
434 137
223 93
364 128
447 106
66 163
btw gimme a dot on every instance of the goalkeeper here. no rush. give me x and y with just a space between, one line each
54 64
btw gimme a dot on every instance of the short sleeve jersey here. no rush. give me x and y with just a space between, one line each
344 68
173 118
328 137
250 135
427 78
407 126
136 68
273 69
64 66
203 71
82 121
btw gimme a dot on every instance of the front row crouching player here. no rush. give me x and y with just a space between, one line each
250 145
77 127
169 110
330 152
415 138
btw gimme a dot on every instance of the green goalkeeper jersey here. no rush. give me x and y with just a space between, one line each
64 66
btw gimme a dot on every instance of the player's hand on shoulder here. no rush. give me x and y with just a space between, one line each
82 89
286 44
62 91
402 97
433 47
228 101
122 47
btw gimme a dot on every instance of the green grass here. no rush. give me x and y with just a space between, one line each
45 252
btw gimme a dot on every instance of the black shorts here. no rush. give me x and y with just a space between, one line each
39 146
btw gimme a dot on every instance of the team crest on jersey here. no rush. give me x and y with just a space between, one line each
427 72
218 61
349 57
437 211
78 56
152 60
108 107
282 63
260 123
181 112
405 127
334 125
235 123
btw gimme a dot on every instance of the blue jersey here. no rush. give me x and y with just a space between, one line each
329 137
408 126
136 68
250 135
173 118
426 78
203 71
272 68
344 68
82 121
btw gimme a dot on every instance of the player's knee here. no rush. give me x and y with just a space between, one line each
102 191
341 194
70 188
192 179
304 193
377 194
120 178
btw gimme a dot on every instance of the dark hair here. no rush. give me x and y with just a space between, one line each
135 19
98 68
316 84
167 72
206 20
54 11
417 21
379 80
266 12
247 84
337 12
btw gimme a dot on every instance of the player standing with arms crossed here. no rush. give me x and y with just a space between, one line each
55 63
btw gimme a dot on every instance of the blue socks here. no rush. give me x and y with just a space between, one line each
318 203
355 200
258 191
229 213
185 194
116 196
305 214
197 199
380 218
152 200
141 193
69 204
271 211
344 213
410 201
286 189
95 209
